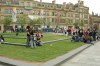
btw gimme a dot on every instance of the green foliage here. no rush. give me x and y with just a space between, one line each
75 24
7 21
34 22
67 23
23 19
81 24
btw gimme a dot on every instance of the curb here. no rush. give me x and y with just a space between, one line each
11 62
61 59
19 44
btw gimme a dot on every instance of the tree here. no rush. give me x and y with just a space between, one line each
81 24
34 22
69 23
75 24
6 21
23 19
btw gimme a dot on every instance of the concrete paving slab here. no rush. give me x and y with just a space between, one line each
89 57
59 60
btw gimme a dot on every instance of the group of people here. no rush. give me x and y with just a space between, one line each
86 36
33 37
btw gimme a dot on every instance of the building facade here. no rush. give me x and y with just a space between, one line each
94 21
52 14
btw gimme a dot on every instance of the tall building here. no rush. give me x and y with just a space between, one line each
94 21
52 14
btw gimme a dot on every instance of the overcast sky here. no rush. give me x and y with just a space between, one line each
94 5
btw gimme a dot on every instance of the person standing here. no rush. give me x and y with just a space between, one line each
32 38
28 36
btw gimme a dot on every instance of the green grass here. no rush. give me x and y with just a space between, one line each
22 41
46 37
39 54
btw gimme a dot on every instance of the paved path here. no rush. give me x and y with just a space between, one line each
89 57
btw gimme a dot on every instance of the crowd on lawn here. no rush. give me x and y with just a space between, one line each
34 37
86 36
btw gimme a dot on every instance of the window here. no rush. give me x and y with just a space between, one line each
16 2
76 20
21 11
86 11
86 21
64 14
70 21
76 15
38 12
38 4
85 16
34 5
8 11
58 6
53 14
53 19
8 3
48 20
28 12
68 15
71 15
28 4
33 12
17 11
22 3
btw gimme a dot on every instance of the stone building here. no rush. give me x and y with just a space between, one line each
94 21
52 14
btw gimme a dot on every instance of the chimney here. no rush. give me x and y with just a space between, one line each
41 1
64 3
82 3
54 2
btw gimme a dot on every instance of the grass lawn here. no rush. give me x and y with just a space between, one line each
46 37
39 54
23 34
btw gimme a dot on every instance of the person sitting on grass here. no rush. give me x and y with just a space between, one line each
38 39
1 39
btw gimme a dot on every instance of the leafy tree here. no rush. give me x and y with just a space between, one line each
6 21
75 24
34 22
81 24
23 19
67 23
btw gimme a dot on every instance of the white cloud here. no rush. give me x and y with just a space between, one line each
92 4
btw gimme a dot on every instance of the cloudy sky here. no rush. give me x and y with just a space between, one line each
94 5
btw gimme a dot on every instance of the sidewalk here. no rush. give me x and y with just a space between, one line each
89 57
